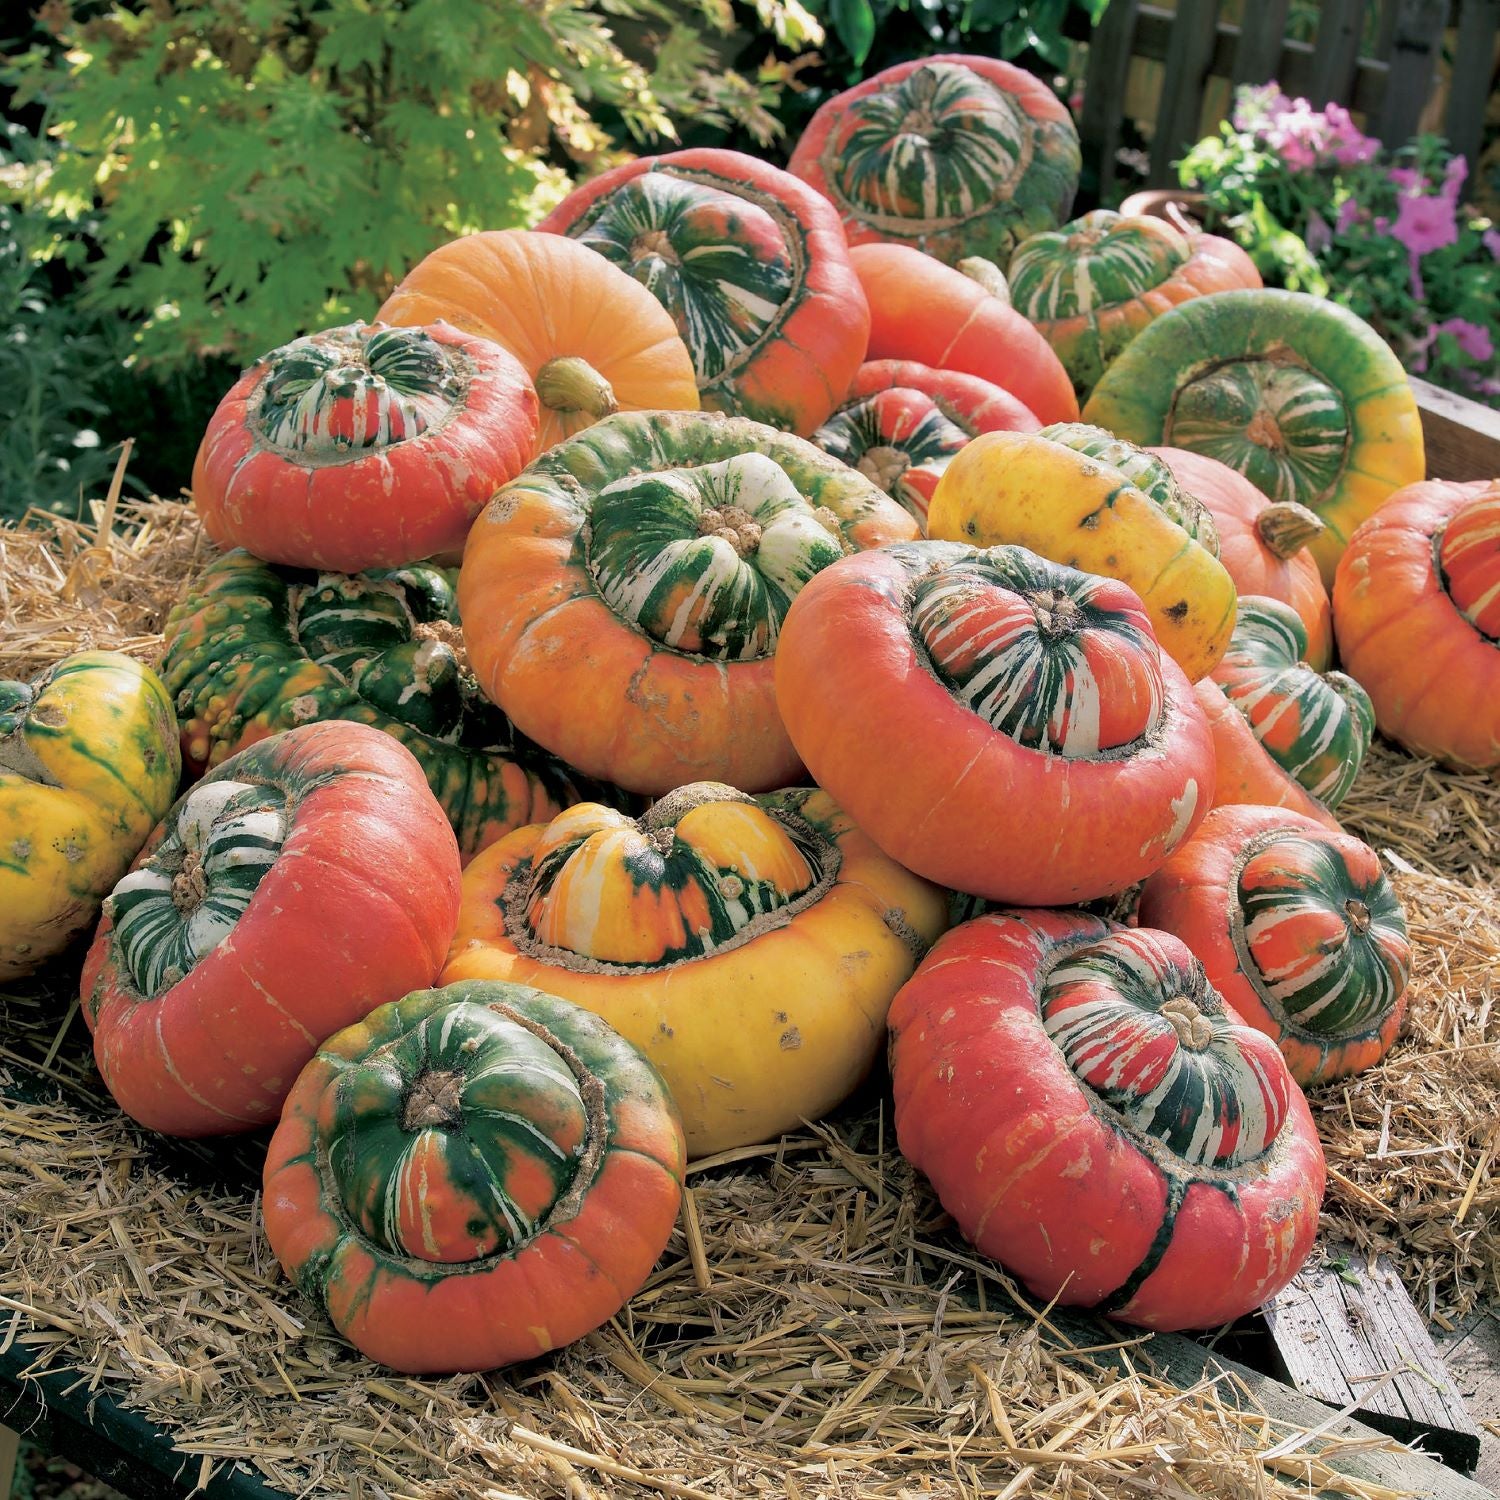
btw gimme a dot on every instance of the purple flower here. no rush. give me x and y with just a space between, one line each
1350 214
1425 224
1408 179
1491 242
1319 236
1472 338
1454 175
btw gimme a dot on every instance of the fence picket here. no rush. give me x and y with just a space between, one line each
1257 56
1190 50
1473 66
1336 55
1413 54
1110 47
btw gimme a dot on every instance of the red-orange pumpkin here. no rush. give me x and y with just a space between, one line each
957 155
904 421
1416 605
363 447
1299 930
1097 1119
1262 544
1245 772
996 722
752 265
922 310
300 884
473 1176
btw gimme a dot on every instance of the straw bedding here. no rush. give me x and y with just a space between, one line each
815 1328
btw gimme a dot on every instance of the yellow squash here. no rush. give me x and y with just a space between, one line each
1071 507
89 763
750 947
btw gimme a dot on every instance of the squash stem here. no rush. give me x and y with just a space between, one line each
569 383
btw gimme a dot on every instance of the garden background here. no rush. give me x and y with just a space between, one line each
185 185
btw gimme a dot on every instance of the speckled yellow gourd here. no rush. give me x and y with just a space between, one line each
89 763
1025 489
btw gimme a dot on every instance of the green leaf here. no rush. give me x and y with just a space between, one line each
854 25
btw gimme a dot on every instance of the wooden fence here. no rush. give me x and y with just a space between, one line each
1389 88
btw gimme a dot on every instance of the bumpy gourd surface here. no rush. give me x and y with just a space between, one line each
707 560
255 649
89 762
1094 262
1316 726
334 395
1146 472
185 900
1323 940
472 1176
649 893
623 599
957 156
1095 1117
1139 1026
1295 393
1047 655
1468 563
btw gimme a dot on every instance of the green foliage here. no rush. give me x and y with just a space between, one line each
52 453
262 167
881 32
1322 208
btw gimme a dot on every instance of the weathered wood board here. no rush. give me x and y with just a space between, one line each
1462 437
1348 1334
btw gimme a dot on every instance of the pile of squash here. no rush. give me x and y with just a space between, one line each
635 651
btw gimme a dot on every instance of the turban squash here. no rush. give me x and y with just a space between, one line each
1416 606
903 422
472 1176
1037 490
1315 725
956 155
748 946
1035 744
88 764
300 884
925 311
1297 928
622 599
1297 393
1262 543
751 264
1093 284
255 649
363 447
593 340
1098 1120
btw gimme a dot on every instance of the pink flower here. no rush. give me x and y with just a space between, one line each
1453 177
1350 214
1319 236
1472 338
1491 242
1425 224
1408 179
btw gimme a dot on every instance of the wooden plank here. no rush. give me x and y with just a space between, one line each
1473 66
1472 1356
1336 55
1190 51
1257 57
1462 437
1413 55
1356 1339
1185 1364
1154 27
1110 46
